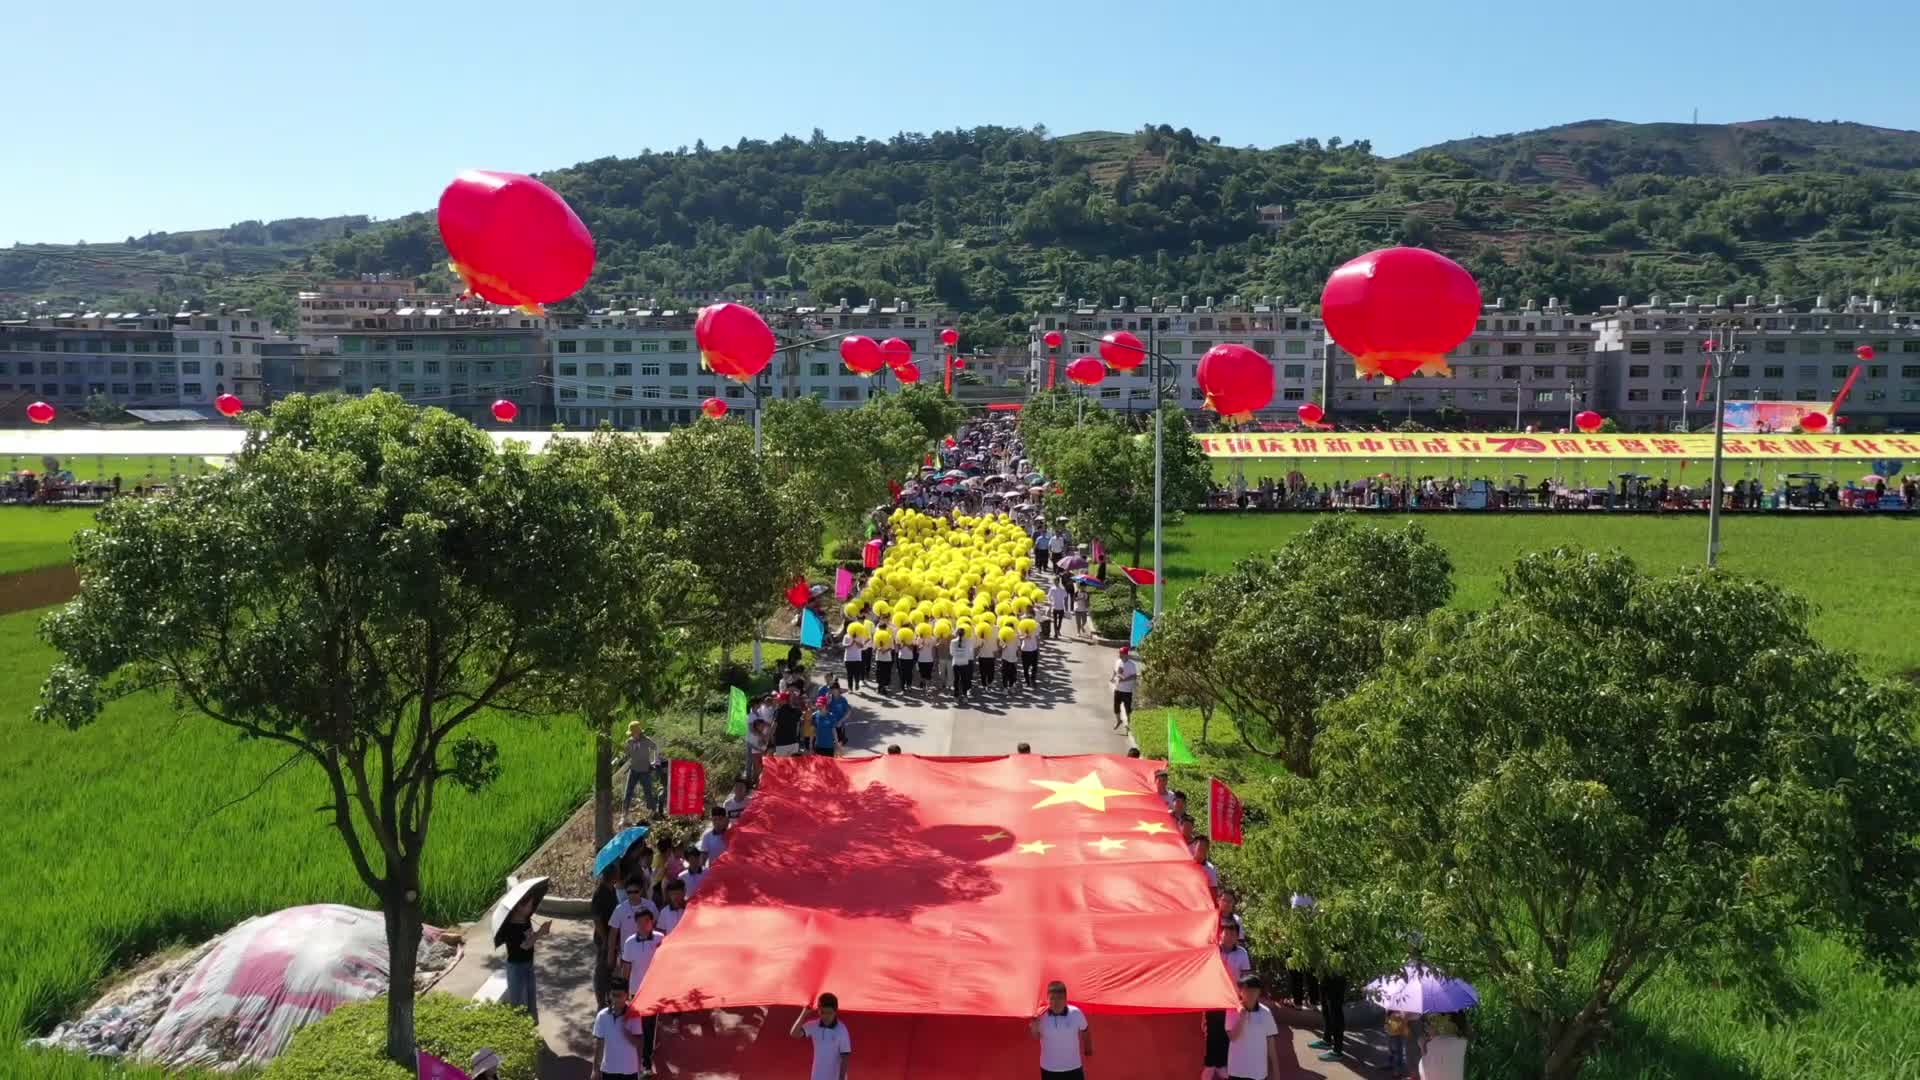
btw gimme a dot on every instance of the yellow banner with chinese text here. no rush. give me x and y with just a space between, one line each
1450 444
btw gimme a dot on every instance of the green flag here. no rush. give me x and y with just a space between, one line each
1177 752
736 711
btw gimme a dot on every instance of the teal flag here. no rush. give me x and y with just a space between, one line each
1142 625
1177 752
736 711
813 632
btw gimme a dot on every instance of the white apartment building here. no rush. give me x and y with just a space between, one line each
639 367
1181 334
1653 355
136 359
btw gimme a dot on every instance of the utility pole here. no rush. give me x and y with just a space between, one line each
1721 349
1517 391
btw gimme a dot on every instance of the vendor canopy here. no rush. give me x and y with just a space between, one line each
954 886
1495 445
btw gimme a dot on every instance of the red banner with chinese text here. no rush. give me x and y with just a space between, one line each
1602 447
1225 815
686 788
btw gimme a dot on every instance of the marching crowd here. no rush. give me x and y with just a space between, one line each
642 896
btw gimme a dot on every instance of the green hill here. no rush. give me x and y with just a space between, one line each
991 221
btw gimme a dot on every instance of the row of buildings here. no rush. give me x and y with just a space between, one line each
638 367
1642 364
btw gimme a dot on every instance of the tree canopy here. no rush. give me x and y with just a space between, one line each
365 579
1605 773
1106 464
1282 636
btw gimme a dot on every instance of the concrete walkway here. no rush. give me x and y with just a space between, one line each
1068 712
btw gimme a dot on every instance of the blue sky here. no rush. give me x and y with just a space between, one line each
133 116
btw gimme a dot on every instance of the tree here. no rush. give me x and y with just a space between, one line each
1604 774
937 414
1107 471
1280 636
365 579
844 457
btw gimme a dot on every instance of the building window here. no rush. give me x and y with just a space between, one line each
677 345
432 366
1776 348
1639 394
1511 371
1673 348
1541 397
1773 371
678 371
1293 393
649 346
623 345
594 371
1671 371
676 391
566 346
595 345
404 344
1672 395
1809 371
650 368
1805 395
192 345
1636 371
1296 371
649 391
1639 348
1510 348
818 371
1508 397
1297 347
623 370
1738 371
1843 346
1263 346
1543 373
1544 348
1910 371
567 369
1477 396
1876 395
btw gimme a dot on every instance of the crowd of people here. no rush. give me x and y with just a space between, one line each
1629 491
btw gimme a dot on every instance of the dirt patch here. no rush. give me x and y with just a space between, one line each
24 590
567 856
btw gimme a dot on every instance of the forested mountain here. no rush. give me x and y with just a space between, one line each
991 221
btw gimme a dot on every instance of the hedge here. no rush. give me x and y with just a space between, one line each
351 1043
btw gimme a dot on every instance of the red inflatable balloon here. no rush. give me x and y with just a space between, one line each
1589 421
862 354
1864 352
1053 338
1400 309
513 240
908 372
959 365
228 405
1813 421
734 340
1311 413
1086 371
1122 351
896 351
949 336
40 412
505 411
799 593
714 408
1236 380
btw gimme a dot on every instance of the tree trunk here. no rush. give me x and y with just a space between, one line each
602 777
1567 1045
1206 717
403 950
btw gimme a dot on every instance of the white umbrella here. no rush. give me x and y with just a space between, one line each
537 887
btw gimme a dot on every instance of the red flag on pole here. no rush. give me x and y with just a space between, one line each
1706 369
1140 575
686 788
1845 389
1224 814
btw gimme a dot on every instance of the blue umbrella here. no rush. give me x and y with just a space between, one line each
617 847
1089 582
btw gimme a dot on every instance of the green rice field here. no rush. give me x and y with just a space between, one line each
146 829
32 536
1861 573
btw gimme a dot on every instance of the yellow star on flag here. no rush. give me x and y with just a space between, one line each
1151 828
1088 791
1107 846
1035 847
997 834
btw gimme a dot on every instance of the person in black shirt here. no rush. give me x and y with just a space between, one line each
786 724
606 897
518 934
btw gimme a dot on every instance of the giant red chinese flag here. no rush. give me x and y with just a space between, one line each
954 886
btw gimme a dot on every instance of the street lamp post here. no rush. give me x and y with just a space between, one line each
1517 391
1683 411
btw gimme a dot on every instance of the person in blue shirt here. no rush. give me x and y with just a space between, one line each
828 717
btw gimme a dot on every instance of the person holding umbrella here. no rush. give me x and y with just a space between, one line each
513 929
1418 989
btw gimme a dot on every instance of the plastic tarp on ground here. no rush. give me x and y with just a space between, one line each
953 887
238 999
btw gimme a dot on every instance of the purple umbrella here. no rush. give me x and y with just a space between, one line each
1420 989
1071 562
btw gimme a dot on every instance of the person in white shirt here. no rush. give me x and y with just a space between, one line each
962 665
1065 1041
625 918
696 871
1232 953
1253 1052
987 653
676 909
1126 676
925 653
1201 848
616 1047
737 801
1161 789
636 955
1030 657
1058 601
832 1046
853 653
882 664
713 842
